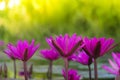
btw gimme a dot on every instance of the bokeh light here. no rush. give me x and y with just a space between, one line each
2 5
9 4
13 3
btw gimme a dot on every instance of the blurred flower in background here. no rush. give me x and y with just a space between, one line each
72 74
49 54
82 58
2 43
115 65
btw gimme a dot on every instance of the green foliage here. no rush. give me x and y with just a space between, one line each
42 18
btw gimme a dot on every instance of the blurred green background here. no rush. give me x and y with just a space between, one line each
37 19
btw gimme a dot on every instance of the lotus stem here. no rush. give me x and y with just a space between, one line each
49 73
50 70
14 69
90 78
30 71
95 70
5 71
25 70
117 77
66 68
1 72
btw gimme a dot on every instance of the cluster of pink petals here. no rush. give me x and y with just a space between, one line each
115 66
96 47
65 45
49 54
72 74
82 58
10 54
22 50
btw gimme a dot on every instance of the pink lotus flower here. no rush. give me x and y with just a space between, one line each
115 66
65 45
2 43
72 74
96 47
82 58
49 54
23 50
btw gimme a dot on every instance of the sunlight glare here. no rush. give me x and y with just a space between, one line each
13 3
2 5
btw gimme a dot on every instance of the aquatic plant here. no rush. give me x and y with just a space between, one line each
97 47
82 58
23 51
51 55
115 65
66 46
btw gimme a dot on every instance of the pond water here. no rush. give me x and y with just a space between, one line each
40 68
